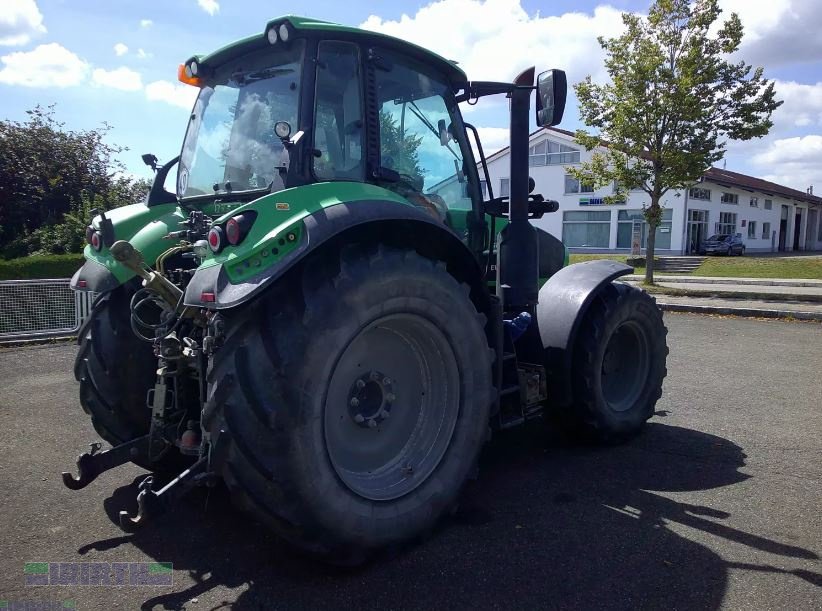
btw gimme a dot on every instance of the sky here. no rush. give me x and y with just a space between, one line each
115 61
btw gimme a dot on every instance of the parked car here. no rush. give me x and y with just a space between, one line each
724 244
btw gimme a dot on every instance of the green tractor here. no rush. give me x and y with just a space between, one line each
327 314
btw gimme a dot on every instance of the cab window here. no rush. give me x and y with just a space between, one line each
416 116
338 122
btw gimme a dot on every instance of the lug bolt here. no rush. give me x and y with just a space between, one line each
390 397
372 423
360 384
355 402
386 381
359 419
384 413
374 376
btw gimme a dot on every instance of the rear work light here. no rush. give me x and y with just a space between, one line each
215 239
96 241
236 228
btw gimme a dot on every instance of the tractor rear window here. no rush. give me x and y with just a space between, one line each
230 145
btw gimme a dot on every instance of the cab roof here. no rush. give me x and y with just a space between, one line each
329 29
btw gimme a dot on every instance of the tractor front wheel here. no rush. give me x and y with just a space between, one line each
353 401
619 363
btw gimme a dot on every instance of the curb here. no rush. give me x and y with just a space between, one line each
15 341
729 280
741 312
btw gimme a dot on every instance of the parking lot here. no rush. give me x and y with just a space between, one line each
716 505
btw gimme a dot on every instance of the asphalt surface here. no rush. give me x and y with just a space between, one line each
716 505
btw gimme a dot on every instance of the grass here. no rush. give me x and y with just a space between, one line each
802 268
46 266
762 267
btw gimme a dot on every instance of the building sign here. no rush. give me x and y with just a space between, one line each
597 201
636 238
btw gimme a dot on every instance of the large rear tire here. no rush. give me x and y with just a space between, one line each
115 370
353 401
619 363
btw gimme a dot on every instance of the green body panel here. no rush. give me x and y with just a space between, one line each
144 227
279 217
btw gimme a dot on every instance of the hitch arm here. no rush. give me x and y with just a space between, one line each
93 463
151 504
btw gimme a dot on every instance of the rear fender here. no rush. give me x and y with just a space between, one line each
362 220
563 303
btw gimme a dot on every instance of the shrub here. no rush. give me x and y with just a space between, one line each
45 266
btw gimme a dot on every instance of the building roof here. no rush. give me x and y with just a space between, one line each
716 175
743 181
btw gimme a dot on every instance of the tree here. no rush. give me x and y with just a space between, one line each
673 100
48 172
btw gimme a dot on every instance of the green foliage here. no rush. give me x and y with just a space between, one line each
400 148
47 266
50 177
673 102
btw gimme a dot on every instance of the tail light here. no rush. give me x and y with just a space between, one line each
96 241
215 239
237 227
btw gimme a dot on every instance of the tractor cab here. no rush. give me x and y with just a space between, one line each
317 103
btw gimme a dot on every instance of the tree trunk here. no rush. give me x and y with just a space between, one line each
652 216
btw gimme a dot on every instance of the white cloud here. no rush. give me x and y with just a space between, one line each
45 66
496 39
120 49
793 162
143 55
171 93
209 6
20 21
778 31
802 105
121 78
493 139
146 23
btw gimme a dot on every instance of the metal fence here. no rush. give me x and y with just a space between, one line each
41 308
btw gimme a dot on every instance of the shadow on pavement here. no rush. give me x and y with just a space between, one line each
547 525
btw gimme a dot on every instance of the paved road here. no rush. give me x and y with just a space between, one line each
717 505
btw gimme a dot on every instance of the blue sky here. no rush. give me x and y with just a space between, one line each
116 60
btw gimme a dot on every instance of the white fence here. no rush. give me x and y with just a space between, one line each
31 309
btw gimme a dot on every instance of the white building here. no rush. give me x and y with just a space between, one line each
769 217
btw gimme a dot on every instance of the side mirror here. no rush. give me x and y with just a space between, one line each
445 136
552 88
150 160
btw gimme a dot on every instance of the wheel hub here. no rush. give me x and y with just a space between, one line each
370 399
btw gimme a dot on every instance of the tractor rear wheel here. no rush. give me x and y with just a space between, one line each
619 363
115 370
352 411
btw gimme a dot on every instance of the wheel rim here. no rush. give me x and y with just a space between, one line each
391 406
625 366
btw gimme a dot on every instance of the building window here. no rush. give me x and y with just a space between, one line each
572 186
727 223
700 193
586 229
484 189
766 230
730 198
625 224
754 202
504 187
751 229
552 153
768 204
